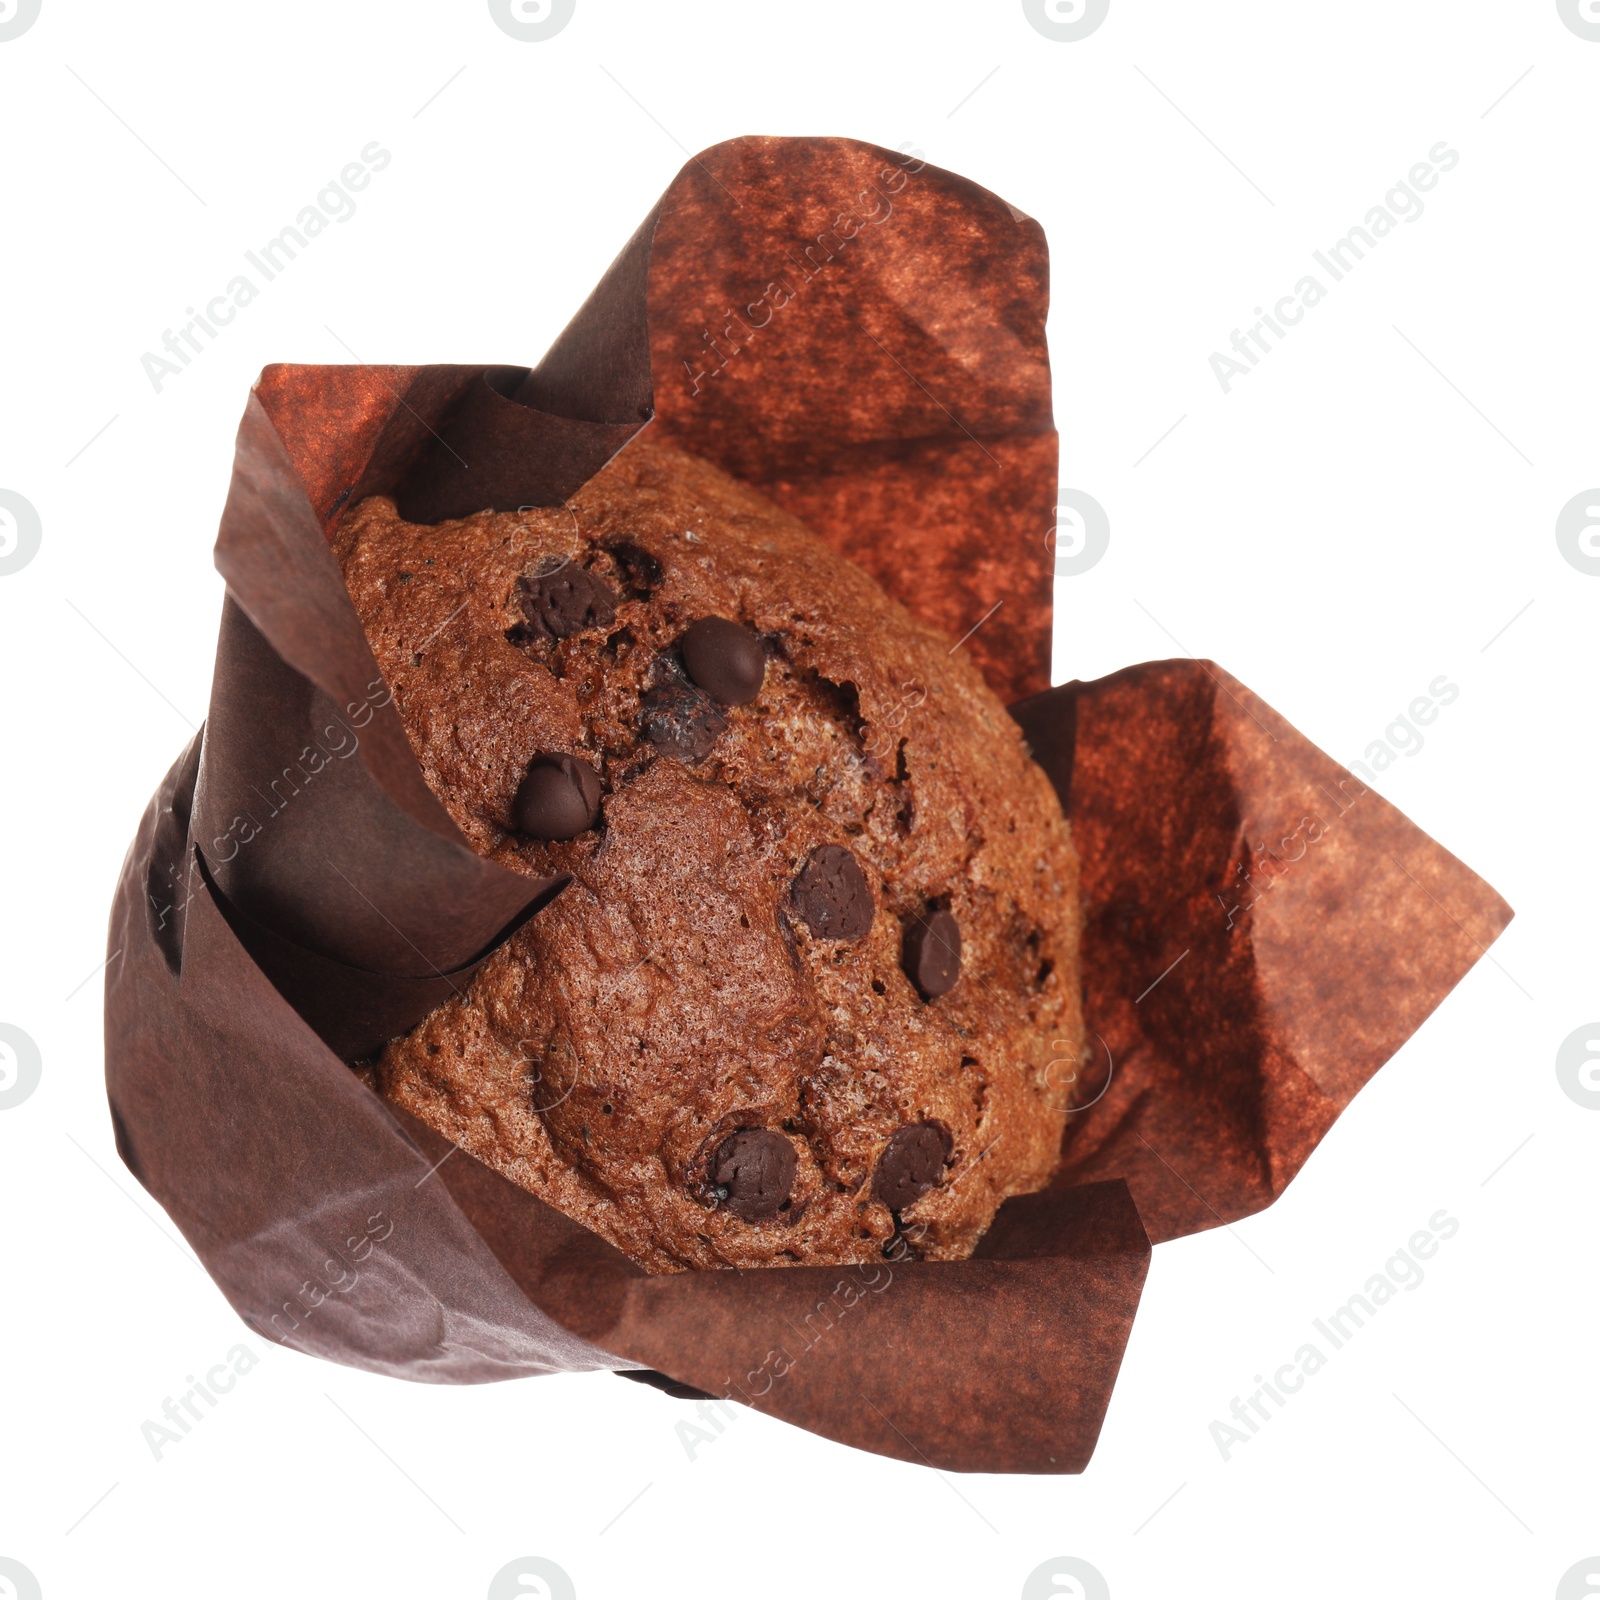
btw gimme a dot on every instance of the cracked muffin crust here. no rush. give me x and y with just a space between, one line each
801 999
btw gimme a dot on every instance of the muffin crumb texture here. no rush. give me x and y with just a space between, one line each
812 994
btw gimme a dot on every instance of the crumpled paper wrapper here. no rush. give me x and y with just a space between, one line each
860 336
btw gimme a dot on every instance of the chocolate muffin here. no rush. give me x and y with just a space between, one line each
801 999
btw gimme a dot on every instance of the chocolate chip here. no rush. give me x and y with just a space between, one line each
753 1170
831 894
561 603
727 661
680 720
931 953
911 1164
558 799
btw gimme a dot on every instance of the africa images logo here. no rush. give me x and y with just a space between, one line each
544 1581
16 17
531 21
1065 1578
1582 16
1578 1066
21 532
1066 21
1578 532
1403 203
20 1066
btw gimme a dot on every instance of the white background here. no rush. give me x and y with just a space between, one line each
1367 510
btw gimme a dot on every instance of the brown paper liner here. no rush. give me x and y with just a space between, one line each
860 336
1263 933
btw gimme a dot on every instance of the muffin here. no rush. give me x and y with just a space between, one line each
800 1000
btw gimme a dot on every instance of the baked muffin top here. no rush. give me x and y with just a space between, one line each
820 947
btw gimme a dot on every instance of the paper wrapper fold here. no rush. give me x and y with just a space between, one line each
1263 933
860 336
